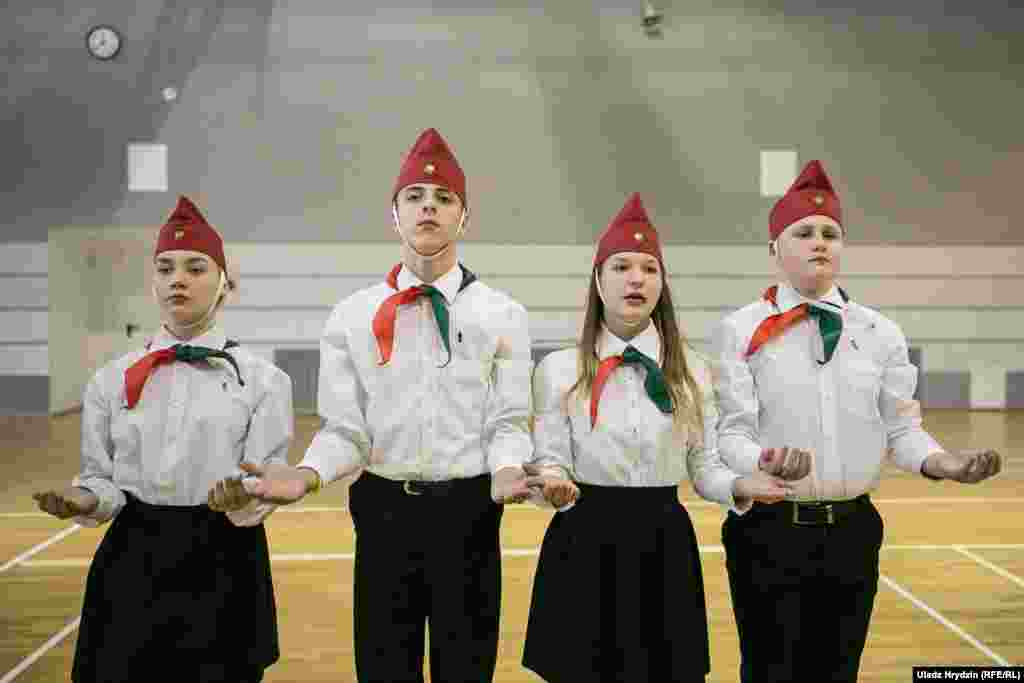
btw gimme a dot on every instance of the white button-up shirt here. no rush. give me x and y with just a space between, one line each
422 416
848 413
633 442
194 423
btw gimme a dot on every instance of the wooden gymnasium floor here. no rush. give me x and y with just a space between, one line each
952 590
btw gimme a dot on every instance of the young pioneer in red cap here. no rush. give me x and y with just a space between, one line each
424 386
626 415
181 580
805 366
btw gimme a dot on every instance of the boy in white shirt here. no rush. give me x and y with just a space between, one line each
805 367
425 386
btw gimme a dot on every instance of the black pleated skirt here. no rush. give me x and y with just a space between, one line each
619 593
176 590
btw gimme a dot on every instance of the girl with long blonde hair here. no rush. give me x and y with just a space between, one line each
624 416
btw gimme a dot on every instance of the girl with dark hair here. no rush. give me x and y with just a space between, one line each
181 581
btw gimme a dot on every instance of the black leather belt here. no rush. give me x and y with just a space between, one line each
428 488
824 513
462 486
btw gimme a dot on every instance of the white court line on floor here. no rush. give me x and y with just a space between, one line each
920 604
530 552
508 552
688 503
40 547
988 565
43 649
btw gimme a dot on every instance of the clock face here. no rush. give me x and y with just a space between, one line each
103 42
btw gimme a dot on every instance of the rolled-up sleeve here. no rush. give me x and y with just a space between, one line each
506 428
906 438
97 474
271 431
342 445
738 406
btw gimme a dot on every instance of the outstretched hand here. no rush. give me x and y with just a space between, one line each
557 491
276 483
228 494
73 501
761 487
787 463
966 467
509 485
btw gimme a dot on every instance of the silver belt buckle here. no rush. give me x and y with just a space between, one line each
409 490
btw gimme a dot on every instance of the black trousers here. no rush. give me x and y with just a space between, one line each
433 557
802 595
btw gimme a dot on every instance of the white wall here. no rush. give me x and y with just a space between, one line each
98 282
961 305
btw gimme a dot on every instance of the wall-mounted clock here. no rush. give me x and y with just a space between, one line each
104 42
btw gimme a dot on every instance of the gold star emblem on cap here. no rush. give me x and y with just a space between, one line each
179 233
819 199
638 236
429 169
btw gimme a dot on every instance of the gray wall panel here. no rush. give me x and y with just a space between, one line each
946 389
303 366
1015 389
24 395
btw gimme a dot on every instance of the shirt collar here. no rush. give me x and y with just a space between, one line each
647 342
213 338
448 283
787 298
